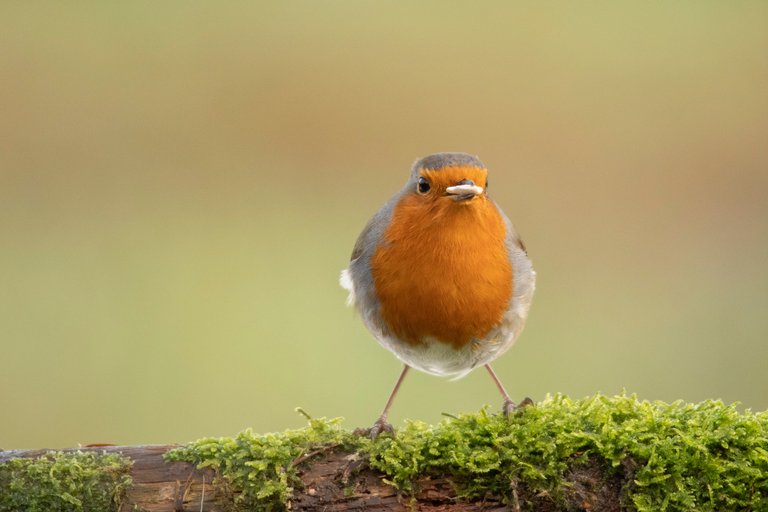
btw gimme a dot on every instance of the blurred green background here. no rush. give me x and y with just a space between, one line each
181 183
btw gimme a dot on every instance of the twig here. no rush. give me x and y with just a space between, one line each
301 458
202 497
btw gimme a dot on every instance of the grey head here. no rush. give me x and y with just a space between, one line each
441 160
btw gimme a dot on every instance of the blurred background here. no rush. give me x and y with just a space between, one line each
181 183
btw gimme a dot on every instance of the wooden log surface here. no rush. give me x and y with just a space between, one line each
332 480
158 486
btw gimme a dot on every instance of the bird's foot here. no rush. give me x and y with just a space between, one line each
380 427
509 406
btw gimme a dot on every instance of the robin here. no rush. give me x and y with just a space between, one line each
439 275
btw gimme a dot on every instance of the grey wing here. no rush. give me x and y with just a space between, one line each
524 282
357 278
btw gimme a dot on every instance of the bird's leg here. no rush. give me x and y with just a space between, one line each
509 406
381 424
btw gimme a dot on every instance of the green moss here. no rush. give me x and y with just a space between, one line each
703 457
684 457
64 481
261 467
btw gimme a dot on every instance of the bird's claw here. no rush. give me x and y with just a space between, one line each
509 406
380 427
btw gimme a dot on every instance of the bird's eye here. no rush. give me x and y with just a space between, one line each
486 184
423 185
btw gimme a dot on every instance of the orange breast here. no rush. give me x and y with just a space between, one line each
443 270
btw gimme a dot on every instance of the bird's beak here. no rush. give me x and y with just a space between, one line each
463 191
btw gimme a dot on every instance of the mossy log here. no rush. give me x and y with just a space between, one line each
595 454
330 479
155 485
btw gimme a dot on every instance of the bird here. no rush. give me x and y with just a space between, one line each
439 275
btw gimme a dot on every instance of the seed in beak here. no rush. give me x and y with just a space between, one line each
465 189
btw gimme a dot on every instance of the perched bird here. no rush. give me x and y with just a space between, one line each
439 275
